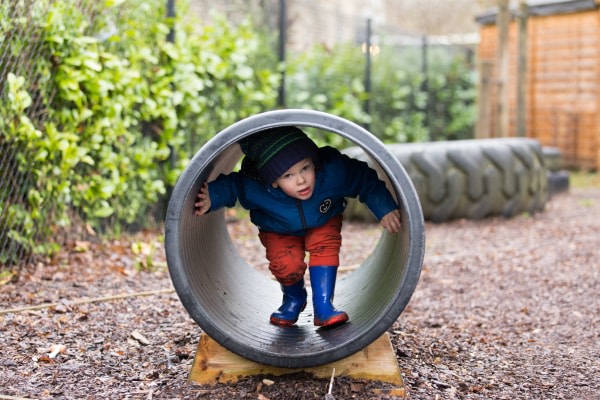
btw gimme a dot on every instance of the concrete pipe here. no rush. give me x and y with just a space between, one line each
231 301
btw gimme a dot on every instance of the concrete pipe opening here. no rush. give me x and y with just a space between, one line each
231 301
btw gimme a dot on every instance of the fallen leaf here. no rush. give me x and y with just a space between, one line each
45 359
82 246
60 308
57 349
357 387
140 338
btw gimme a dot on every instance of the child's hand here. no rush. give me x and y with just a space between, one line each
391 221
203 203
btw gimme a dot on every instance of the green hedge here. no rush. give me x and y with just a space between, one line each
124 109
402 108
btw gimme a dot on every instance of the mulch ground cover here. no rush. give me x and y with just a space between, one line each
504 309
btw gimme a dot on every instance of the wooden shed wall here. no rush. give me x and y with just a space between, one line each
563 83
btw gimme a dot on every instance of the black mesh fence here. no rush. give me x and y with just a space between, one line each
21 49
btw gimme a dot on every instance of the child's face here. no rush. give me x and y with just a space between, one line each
298 181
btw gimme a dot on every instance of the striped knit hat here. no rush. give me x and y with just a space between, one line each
275 150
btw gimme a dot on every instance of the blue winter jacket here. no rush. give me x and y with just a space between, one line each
337 177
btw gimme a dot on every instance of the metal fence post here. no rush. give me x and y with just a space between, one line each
171 14
281 50
522 71
367 104
172 156
425 83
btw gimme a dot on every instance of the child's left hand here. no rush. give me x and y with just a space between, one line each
202 204
391 221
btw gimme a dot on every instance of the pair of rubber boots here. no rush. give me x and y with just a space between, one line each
322 281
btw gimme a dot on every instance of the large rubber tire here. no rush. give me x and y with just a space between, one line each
232 302
558 178
558 182
472 179
552 158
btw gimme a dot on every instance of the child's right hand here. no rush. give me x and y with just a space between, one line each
391 221
203 203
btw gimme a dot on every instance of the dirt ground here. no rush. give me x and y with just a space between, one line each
504 309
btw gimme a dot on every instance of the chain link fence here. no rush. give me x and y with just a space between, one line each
302 26
21 49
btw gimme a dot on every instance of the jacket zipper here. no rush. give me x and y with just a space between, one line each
301 212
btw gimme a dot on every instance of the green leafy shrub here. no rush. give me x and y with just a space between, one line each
401 107
398 101
330 81
124 110
452 98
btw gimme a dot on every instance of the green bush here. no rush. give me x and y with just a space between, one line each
124 110
401 108
398 101
452 98
330 81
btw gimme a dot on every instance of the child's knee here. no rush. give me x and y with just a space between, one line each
287 273
290 279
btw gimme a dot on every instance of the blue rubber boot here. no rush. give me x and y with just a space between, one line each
322 281
294 301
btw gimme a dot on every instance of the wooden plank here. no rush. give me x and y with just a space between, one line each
214 364
521 81
484 97
596 130
501 116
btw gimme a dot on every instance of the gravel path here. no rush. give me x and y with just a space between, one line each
504 309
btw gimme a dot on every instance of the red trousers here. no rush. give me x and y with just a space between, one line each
286 253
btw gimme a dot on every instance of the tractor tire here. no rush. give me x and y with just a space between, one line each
470 179
552 158
558 178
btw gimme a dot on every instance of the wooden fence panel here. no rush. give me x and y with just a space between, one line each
563 93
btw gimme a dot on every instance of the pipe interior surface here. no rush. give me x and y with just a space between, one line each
231 301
